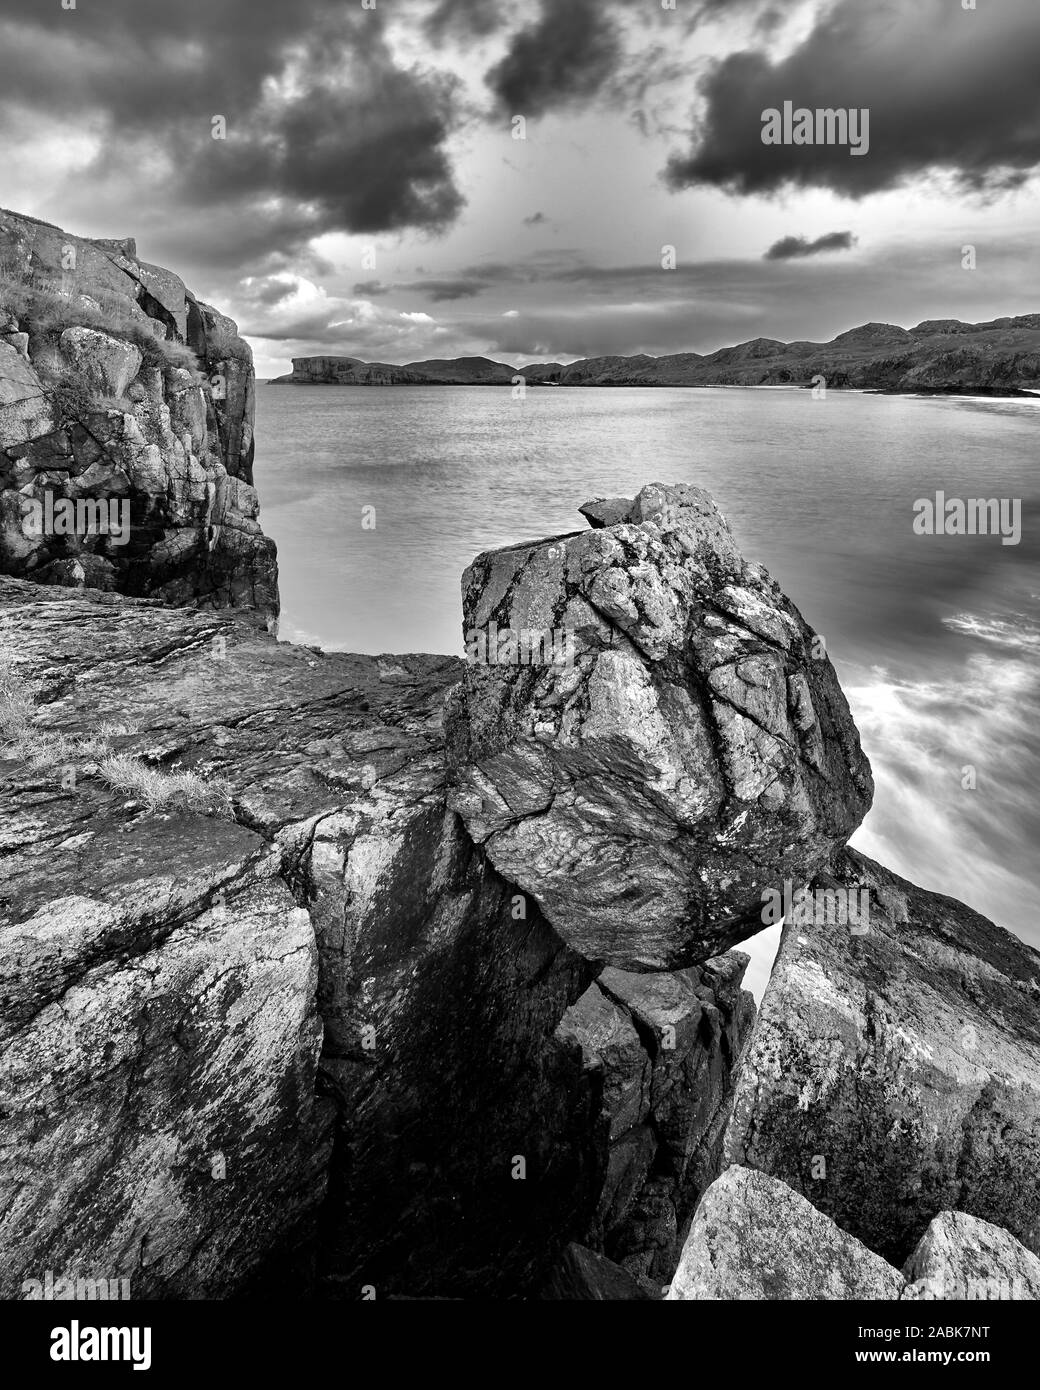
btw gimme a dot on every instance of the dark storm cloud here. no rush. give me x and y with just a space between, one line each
790 248
324 131
370 289
441 291
947 89
312 326
565 57
273 291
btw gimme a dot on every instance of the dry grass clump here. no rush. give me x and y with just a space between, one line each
158 789
43 749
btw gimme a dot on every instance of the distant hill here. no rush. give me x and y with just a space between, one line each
941 355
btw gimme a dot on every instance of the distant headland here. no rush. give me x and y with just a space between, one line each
939 356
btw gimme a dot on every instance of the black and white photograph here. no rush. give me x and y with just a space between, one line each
519 675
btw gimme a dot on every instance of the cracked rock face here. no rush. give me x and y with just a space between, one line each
677 744
659 1052
346 901
894 1073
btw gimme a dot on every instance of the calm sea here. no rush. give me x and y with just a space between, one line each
936 638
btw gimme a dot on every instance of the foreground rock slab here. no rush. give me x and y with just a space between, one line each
159 972
648 734
754 1238
179 972
894 1072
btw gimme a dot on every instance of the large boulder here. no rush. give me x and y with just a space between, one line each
754 1238
894 1068
649 735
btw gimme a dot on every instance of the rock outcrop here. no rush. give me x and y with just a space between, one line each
894 1071
649 737
754 1238
126 428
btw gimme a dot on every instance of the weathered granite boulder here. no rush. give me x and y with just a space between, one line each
961 1257
660 1050
754 1238
115 405
894 1072
648 734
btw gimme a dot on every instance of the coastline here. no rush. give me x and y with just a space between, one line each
980 392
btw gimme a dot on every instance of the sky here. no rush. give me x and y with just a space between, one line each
536 180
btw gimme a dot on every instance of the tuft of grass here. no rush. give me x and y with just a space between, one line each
223 345
157 789
16 704
42 749
175 354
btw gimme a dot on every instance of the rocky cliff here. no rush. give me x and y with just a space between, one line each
944 356
126 428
